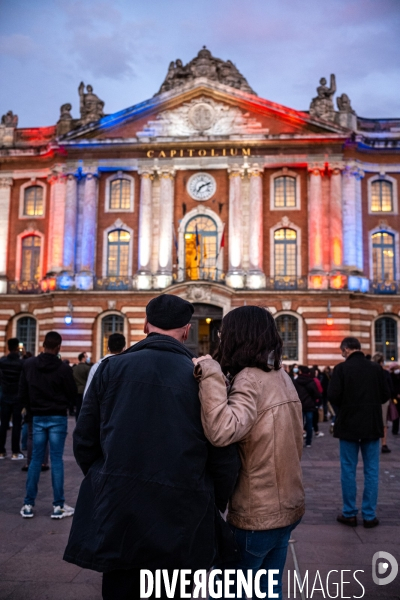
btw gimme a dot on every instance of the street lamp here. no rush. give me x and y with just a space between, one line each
68 317
329 319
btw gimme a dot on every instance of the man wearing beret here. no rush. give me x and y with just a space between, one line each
153 483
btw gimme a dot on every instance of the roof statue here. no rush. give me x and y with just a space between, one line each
322 105
344 104
9 119
204 65
91 107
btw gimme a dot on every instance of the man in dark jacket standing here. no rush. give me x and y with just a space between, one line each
10 371
358 388
309 395
152 480
46 389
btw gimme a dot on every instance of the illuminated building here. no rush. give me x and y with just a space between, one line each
209 192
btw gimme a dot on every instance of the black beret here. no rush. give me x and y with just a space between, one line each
169 312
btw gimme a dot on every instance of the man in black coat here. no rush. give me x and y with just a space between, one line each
152 480
10 371
358 388
309 395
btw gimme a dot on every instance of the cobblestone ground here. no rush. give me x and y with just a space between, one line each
31 565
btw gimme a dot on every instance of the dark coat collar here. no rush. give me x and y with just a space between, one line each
159 341
356 353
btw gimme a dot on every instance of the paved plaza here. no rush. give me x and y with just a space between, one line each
31 565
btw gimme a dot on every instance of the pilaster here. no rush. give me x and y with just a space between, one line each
56 222
352 219
5 196
70 218
235 277
163 277
255 278
143 276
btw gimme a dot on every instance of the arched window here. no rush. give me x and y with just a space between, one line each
285 246
285 192
201 249
26 333
288 328
33 201
30 264
381 196
118 253
383 256
386 337
120 194
110 324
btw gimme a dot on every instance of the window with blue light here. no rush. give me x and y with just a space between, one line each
383 256
118 253
381 196
386 338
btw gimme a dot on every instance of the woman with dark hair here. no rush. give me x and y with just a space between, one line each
260 410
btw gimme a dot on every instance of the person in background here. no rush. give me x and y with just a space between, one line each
116 344
309 395
325 379
396 398
81 374
379 359
293 371
316 373
46 388
10 371
358 387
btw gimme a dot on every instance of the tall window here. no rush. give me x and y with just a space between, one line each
288 330
26 333
285 192
33 201
386 337
118 253
381 196
201 248
120 194
383 256
30 264
110 324
285 242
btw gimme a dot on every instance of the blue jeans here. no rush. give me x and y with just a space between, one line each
265 549
348 462
308 416
54 431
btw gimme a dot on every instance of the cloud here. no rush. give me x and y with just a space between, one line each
19 46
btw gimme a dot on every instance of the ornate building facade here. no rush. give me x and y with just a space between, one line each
209 192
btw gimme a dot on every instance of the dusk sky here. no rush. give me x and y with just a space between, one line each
123 48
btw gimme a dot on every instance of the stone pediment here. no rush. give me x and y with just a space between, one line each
202 116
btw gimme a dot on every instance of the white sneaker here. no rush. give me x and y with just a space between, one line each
27 511
319 434
60 512
17 456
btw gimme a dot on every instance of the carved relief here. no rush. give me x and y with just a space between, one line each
202 115
204 65
286 304
199 293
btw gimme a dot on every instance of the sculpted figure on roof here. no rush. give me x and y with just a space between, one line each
9 119
322 105
91 107
204 65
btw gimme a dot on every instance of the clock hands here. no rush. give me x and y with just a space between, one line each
207 184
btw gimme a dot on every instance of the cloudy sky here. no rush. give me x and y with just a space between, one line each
123 48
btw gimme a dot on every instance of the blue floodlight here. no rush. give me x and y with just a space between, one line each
68 319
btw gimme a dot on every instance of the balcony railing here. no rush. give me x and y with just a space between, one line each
286 283
385 287
24 287
115 284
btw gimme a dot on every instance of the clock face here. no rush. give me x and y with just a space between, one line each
201 186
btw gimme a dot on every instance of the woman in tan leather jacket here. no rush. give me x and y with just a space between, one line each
259 409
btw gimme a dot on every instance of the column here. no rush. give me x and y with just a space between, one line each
70 214
315 218
5 196
89 223
163 277
352 219
56 222
143 277
336 225
255 278
235 275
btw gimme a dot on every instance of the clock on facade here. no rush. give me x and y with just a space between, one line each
201 186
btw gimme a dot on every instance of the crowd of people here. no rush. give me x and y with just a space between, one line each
167 442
